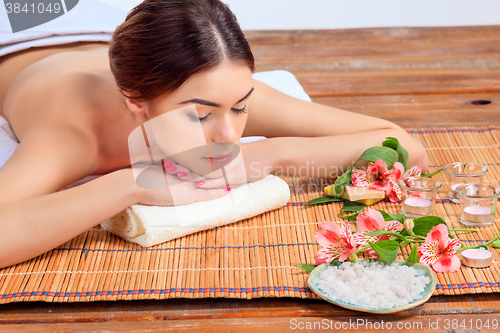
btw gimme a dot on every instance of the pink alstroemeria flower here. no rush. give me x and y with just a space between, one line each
439 250
371 220
397 172
369 177
337 242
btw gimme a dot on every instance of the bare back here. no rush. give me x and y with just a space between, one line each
68 87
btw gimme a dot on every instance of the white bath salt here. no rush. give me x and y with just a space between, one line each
372 284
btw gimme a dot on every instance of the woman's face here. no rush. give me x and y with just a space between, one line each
204 118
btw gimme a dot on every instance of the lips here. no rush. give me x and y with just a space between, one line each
219 159
220 156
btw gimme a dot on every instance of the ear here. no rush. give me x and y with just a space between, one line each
137 106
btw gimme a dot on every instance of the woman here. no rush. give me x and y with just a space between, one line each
73 117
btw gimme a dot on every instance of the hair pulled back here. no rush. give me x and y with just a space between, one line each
163 42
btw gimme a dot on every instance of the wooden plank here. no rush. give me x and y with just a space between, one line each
462 63
372 35
407 48
202 309
424 110
400 83
363 323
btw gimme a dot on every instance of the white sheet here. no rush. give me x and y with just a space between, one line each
89 20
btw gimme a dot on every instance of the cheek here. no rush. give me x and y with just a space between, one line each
175 135
240 123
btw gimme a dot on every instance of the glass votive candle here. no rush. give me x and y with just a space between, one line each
418 196
477 204
463 173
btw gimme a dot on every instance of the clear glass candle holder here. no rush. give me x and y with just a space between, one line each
463 173
477 204
418 196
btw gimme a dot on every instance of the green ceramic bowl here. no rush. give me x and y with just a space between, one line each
421 270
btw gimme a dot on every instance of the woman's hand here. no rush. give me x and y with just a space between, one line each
178 191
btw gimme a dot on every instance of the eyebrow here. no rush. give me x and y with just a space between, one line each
207 103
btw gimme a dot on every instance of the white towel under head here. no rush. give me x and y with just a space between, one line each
151 225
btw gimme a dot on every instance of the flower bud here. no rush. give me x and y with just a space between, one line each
409 224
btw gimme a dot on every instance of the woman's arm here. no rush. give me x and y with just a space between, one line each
321 140
32 227
33 218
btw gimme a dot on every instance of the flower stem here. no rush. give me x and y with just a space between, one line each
491 240
361 249
419 237
485 244
432 174
417 240
472 230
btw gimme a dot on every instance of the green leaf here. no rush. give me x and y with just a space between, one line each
342 181
386 249
424 224
388 155
308 268
433 173
350 210
383 232
335 262
352 206
393 143
328 198
349 217
413 257
393 217
496 244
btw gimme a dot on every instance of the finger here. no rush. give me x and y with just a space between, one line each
177 168
167 164
211 183
191 177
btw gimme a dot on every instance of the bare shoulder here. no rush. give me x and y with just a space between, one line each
58 100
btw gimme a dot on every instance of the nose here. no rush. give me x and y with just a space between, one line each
224 130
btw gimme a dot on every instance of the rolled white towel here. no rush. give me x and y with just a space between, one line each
151 225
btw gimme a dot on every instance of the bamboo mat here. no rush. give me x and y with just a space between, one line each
252 258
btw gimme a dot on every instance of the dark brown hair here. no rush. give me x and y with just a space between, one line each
163 42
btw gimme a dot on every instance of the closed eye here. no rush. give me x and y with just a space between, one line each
197 119
239 111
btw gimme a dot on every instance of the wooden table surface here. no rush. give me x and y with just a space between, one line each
415 77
